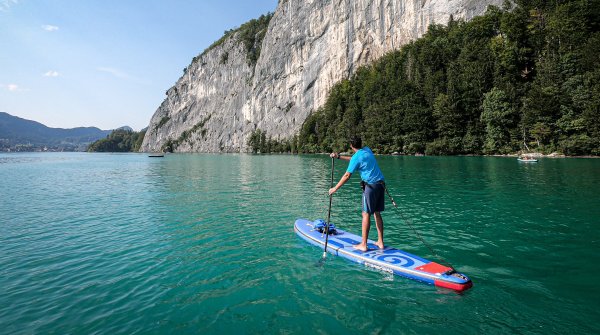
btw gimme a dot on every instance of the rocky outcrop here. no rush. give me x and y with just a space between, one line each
309 46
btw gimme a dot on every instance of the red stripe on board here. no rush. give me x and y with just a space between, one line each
454 286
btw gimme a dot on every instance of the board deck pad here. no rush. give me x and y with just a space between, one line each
389 259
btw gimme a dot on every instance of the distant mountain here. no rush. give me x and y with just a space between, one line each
126 128
17 134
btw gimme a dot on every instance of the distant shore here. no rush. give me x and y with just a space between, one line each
532 154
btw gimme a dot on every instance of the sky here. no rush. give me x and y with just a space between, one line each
105 63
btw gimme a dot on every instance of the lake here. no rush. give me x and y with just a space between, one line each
204 243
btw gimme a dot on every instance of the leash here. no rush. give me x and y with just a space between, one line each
408 222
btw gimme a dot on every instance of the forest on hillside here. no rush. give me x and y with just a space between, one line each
522 77
119 140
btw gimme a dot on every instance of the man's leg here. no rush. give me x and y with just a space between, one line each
366 225
379 225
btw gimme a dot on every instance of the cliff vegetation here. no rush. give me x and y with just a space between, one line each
251 34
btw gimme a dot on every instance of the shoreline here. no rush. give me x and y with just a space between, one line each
515 155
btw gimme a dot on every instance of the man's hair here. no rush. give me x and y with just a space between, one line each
356 142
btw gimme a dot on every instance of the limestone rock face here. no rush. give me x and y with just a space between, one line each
308 47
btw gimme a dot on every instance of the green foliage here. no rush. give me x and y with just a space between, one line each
217 43
224 57
251 34
498 117
172 144
254 141
119 141
528 74
162 122
259 142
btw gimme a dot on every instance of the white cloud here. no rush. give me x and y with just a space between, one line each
6 4
48 27
114 72
13 88
121 75
51 74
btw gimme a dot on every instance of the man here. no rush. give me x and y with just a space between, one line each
364 161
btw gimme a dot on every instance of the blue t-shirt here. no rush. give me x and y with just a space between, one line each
365 162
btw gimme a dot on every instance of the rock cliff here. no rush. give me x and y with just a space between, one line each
308 46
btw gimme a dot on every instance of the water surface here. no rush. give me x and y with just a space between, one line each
124 243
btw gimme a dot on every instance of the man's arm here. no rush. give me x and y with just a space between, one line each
338 156
342 181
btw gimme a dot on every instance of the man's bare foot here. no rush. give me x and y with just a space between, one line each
381 246
361 247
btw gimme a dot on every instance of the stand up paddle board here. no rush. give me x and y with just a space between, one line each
389 259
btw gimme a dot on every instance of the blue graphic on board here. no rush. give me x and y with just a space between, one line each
388 255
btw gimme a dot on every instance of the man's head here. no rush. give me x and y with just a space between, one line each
356 142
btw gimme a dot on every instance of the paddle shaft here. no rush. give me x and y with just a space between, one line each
328 211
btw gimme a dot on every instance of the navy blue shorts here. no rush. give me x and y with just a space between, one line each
373 198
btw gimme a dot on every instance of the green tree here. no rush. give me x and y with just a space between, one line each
498 117
119 140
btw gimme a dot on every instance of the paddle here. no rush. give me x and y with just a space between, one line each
328 212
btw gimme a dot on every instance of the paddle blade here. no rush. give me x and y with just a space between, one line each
322 260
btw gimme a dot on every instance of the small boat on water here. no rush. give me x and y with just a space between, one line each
156 155
527 156
526 159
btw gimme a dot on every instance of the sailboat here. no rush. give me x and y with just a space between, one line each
526 158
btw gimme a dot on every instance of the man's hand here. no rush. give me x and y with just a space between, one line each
332 190
334 155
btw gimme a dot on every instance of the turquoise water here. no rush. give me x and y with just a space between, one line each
125 244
